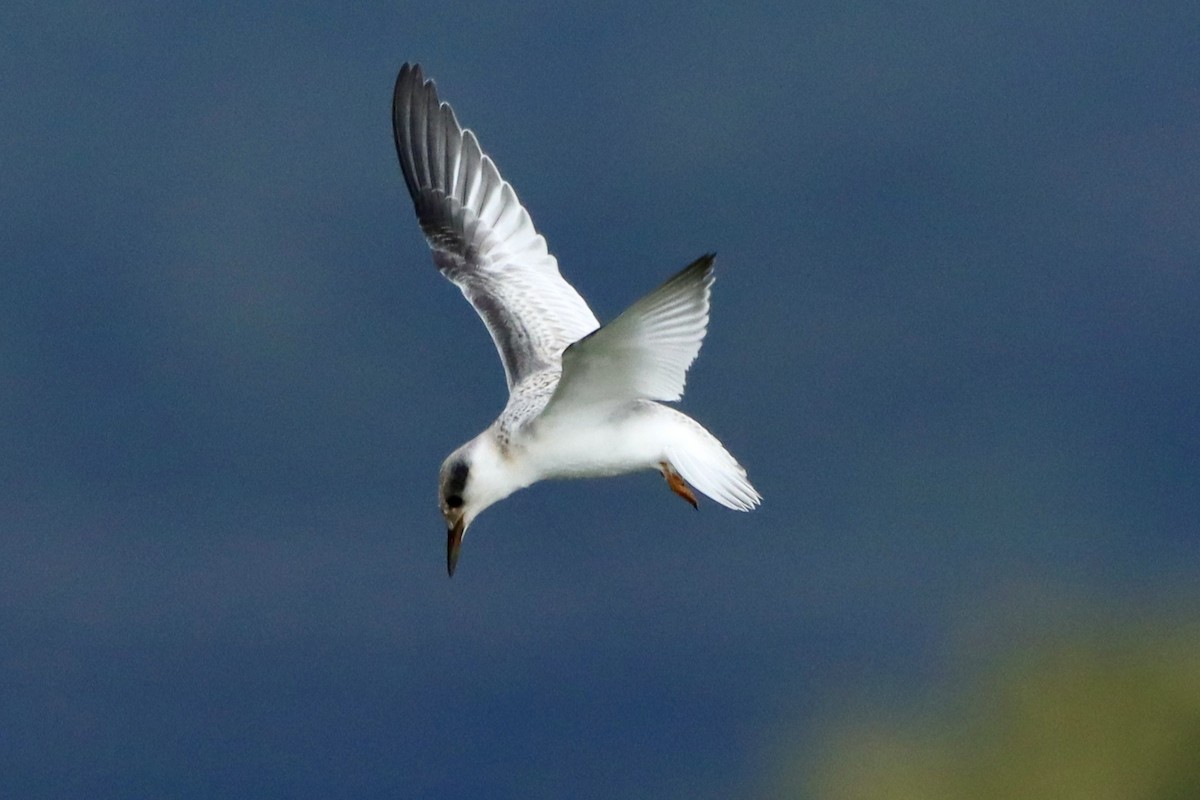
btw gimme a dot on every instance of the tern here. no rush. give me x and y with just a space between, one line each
585 400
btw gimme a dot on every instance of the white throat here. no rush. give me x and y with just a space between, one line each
495 474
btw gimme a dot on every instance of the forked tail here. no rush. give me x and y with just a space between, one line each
705 463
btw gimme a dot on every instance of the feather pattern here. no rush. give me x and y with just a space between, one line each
643 354
584 400
481 236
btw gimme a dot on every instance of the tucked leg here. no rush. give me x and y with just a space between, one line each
677 484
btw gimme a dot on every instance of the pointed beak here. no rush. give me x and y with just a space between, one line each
454 536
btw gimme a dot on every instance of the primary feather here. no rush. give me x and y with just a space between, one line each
482 238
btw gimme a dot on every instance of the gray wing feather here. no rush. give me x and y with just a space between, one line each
482 238
645 352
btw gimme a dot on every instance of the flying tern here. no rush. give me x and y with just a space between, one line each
585 400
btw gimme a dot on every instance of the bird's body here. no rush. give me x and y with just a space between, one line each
584 400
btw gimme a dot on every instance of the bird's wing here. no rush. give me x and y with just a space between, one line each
481 236
642 354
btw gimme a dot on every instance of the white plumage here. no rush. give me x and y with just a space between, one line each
583 399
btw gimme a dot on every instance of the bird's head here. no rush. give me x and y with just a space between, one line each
472 478
452 496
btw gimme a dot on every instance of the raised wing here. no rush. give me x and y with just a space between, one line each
644 353
481 236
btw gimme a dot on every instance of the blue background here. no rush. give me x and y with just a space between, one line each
955 340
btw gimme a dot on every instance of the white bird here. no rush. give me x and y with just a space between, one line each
583 399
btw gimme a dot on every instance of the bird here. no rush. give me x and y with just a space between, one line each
585 400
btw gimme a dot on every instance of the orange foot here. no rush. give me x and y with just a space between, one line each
677 484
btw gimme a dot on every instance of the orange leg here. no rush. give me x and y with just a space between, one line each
677 484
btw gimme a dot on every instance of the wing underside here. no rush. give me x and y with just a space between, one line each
646 351
482 238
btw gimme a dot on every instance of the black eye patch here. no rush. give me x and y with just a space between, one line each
456 480
454 501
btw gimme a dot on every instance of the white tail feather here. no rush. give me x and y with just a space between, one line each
705 463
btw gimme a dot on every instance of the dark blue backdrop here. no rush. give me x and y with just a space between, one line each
954 339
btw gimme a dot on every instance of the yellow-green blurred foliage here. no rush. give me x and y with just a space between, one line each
1111 716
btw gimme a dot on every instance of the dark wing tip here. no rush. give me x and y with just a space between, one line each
702 266
408 81
410 77
411 98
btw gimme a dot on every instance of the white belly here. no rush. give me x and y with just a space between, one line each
584 448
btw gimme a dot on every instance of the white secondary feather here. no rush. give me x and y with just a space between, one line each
643 354
482 238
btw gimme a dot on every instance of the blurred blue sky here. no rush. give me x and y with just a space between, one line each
955 340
